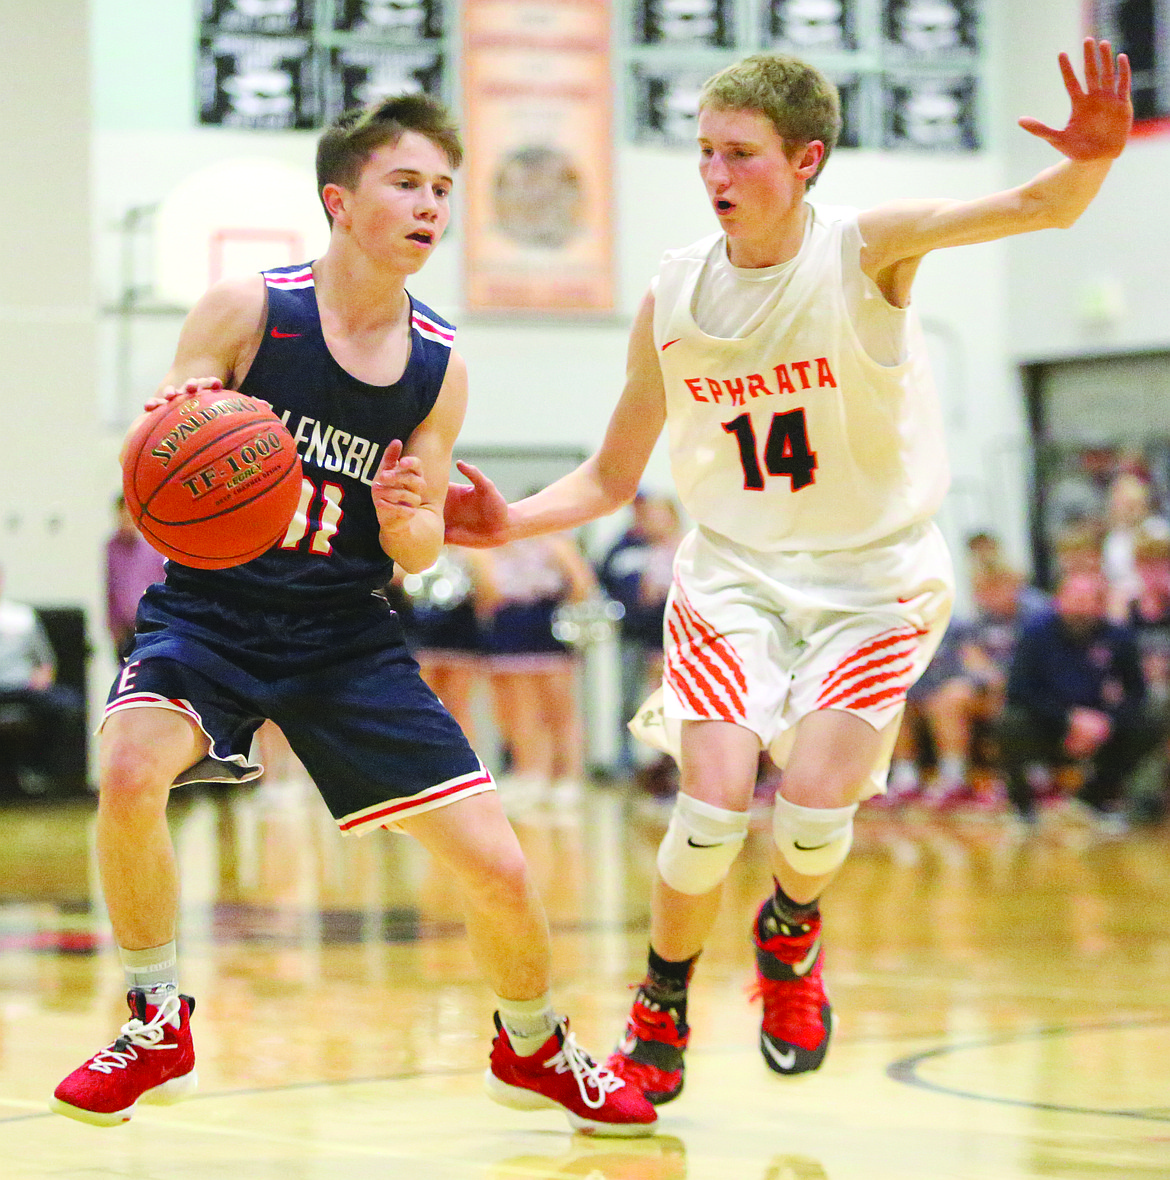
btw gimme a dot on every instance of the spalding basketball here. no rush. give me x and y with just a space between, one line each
213 479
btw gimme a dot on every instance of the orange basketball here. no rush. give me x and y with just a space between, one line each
212 480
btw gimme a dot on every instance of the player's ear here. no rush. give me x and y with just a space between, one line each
334 198
808 158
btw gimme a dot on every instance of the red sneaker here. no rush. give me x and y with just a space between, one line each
650 1055
798 1019
152 1061
561 1074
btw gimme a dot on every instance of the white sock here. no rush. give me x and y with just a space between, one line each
155 969
952 767
528 1023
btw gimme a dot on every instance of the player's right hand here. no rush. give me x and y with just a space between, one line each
169 393
475 515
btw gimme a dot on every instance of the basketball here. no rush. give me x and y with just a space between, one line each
212 480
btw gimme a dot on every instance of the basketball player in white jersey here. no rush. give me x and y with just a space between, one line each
806 442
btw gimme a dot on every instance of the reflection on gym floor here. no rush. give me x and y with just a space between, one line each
1004 1003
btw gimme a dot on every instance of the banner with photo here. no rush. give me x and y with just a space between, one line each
801 27
1141 30
257 16
363 74
259 83
929 113
684 22
537 97
398 20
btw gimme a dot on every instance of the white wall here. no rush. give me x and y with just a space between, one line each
532 382
51 524
1101 286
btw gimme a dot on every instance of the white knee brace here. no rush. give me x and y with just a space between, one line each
700 845
813 840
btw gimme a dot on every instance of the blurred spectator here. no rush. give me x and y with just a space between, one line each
1083 495
1148 613
532 674
1130 513
963 694
637 572
131 565
1077 548
33 708
443 633
983 550
1076 693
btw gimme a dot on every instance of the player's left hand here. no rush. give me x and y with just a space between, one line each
475 514
1102 113
398 488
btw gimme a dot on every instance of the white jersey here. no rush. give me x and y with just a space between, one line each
791 436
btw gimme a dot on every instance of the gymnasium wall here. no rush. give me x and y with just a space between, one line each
55 457
984 306
1101 287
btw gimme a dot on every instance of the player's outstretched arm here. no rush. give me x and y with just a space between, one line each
477 515
410 484
897 235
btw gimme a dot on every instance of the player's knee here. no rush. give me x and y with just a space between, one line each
131 779
499 882
813 840
700 845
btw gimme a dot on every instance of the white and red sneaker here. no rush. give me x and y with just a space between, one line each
152 1061
560 1074
798 1020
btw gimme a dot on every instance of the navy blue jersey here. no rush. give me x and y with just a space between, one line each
330 554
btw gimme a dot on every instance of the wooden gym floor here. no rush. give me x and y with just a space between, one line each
1004 1005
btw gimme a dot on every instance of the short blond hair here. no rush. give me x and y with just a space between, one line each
799 101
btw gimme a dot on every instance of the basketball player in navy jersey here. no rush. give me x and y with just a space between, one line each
806 442
366 380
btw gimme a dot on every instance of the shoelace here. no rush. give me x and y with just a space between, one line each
137 1034
648 1025
571 1058
798 1005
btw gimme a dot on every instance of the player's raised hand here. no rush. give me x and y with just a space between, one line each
398 487
1102 112
476 515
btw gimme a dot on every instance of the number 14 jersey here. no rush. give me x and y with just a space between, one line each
791 436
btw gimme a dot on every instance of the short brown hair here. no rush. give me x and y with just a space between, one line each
801 103
346 145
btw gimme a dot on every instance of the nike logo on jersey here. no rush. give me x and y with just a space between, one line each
669 343
692 843
810 847
277 334
785 1060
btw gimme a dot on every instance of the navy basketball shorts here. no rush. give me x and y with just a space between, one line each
340 684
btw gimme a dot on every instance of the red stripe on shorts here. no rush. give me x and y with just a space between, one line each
413 801
717 641
855 662
860 687
716 658
683 666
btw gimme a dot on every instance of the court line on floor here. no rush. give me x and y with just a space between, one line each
905 1069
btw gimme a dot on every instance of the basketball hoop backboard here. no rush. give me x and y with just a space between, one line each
233 218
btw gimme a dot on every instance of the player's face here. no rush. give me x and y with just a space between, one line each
753 184
402 202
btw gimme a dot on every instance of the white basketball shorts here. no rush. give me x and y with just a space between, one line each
764 639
